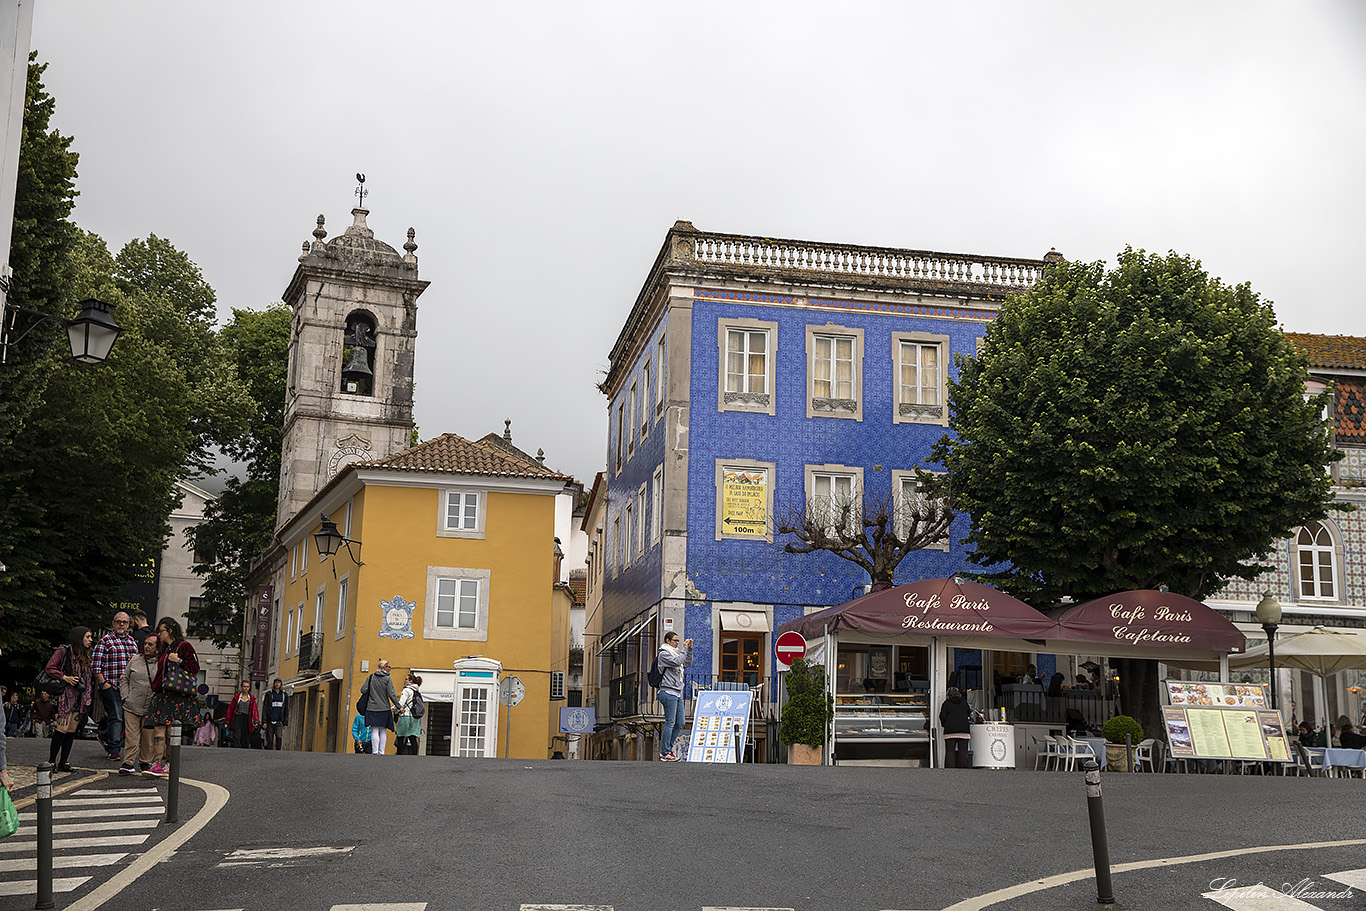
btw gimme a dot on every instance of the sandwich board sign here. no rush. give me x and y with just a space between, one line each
720 726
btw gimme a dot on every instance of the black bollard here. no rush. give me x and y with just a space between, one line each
173 784
44 836
1100 847
1129 750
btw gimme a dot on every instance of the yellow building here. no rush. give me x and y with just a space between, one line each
450 570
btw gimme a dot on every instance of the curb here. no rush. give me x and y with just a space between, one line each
64 787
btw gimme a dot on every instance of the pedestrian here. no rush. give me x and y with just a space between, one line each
955 720
135 688
360 733
14 715
70 662
242 715
170 704
41 713
276 705
110 657
207 732
408 729
380 705
139 630
672 660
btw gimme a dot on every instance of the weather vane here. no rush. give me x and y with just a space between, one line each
360 190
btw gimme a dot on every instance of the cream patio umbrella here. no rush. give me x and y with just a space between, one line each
1322 651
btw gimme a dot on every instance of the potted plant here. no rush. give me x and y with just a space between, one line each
806 717
1116 752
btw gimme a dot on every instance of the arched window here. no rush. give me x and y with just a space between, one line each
358 355
1317 562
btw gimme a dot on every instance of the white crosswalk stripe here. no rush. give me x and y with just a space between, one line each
1262 897
384 906
283 857
564 908
93 834
1354 878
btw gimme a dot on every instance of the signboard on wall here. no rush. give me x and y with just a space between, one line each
260 656
720 726
744 502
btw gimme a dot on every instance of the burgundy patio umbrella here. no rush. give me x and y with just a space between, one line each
932 607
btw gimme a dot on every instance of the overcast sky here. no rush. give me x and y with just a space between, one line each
541 150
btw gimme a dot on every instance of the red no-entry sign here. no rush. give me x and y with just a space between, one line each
790 647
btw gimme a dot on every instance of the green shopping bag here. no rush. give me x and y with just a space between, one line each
10 824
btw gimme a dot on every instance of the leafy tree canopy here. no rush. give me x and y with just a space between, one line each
1129 428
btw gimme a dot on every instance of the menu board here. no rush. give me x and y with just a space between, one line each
720 726
1225 733
1218 695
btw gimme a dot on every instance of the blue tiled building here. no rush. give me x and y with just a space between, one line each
753 378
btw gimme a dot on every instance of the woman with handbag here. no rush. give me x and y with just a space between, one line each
71 664
135 686
173 688
381 703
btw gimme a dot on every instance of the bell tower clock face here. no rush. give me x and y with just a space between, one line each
352 449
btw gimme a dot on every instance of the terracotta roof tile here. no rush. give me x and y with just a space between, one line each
457 455
1331 350
578 588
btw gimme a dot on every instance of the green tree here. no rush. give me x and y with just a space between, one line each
1128 428
240 523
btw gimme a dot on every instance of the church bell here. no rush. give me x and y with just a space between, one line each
358 368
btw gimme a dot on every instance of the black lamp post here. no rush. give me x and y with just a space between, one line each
92 333
220 627
1269 615
329 540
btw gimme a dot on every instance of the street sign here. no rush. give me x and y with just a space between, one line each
511 691
790 646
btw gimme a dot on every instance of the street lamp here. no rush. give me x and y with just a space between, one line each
92 333
1269 615
329 540
220 627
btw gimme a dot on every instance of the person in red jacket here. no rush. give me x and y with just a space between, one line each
242 717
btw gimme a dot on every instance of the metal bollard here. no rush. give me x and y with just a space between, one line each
173 784
44 836
1100 847
1129 750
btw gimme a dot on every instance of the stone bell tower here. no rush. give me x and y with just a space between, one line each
349 394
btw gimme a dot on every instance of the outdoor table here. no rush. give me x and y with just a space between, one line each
1336 756
1097 744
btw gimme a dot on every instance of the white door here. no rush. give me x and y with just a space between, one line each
476 721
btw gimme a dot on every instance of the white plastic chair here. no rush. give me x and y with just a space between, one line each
1046 752
1143 755
1069 751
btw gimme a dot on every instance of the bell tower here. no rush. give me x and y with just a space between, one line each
349 391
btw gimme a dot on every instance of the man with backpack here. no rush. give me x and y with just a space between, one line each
668 670
276 714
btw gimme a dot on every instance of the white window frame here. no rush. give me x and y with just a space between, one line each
346 525
745 400
621 434
303 555
830 406
628 530
319 610
1317 552
443 501
657 505
835 472
659 376
480 632
640 521
906 412
288 630
343 592
645 415
631 421
616 545
899 481
294 563
557 686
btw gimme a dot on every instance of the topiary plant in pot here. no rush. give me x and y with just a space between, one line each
806 717
1116 752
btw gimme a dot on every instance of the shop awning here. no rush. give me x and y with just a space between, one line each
931 607
744 621
628 633
1149 619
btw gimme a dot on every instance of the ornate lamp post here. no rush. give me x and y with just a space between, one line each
92 333
1269 615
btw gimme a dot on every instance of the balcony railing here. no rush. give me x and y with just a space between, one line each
310 652
632 695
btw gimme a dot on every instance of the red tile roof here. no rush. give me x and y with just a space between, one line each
1331 350
457 455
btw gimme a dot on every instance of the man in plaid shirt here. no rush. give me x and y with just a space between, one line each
107 662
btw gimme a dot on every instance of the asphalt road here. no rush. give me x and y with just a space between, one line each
324 830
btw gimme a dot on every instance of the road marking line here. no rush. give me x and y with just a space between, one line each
30 886
154 797
96 814
978 902
62 828
563 908
383 906
71 861
101 792
1354 878
282 857
12 844
1259 897
215 798
728 908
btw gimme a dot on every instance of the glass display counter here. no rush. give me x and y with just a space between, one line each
882 728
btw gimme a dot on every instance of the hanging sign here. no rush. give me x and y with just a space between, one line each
260 657
720 726
744 502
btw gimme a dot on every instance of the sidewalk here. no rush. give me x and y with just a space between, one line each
24 754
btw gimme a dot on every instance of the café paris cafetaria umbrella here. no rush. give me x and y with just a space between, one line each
1322 651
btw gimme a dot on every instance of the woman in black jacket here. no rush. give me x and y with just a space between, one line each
955 720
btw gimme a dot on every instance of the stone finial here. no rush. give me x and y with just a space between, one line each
359 226
318 234
507 430
304 255
410 248
1053 256
540 456
681 225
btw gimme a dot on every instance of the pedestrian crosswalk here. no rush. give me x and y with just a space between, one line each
92 830
1305 895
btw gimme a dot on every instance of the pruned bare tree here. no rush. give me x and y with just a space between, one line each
875 532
